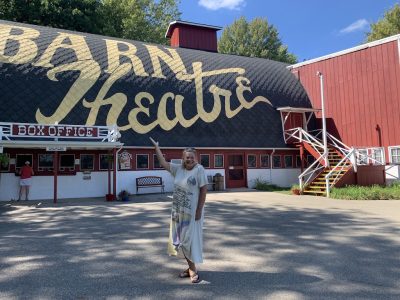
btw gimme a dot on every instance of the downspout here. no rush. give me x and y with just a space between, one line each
115 171
270 165
321 80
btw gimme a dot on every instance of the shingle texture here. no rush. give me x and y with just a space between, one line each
49 75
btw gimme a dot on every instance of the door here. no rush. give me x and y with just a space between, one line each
235 171
293 120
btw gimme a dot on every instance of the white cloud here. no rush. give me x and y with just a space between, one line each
218 4
356 26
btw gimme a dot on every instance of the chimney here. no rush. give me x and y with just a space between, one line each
193 35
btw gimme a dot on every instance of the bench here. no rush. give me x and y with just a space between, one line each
149 181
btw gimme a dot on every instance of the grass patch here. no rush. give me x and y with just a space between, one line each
263 185
375 192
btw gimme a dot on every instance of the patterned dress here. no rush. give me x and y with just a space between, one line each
186 234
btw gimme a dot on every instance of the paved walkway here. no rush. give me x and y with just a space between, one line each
258 245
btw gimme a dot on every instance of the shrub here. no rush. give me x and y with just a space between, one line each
263 185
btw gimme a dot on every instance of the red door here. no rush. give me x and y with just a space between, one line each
235 171
294 120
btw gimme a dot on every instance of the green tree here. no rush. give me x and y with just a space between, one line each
143 20
254 39
79 15
387 26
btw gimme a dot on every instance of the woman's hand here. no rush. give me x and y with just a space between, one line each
154 142
198 214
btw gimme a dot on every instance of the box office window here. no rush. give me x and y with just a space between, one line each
288 161
251 161
218 161
276 159
22 158
67 161
156 162
87 162
394 155
264 160
104 160
205 160
142 161
45 161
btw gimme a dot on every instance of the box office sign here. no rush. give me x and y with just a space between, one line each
65 131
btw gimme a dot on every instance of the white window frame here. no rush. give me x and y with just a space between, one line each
284 161
268 160
247 160
148 161
69 168
382 150
16 159
223 161
80 161
102 155
390 148
154 160
41 169
209 161
273 162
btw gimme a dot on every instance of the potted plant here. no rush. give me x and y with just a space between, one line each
295 189
4 160
123 195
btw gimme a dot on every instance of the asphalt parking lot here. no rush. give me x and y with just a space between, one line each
258 245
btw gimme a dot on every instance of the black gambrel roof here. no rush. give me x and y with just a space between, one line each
27 88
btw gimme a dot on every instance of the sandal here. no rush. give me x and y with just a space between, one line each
195 278
184 274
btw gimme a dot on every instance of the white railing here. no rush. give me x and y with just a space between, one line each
311 172
336 171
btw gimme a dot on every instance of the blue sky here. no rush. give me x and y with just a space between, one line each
310 28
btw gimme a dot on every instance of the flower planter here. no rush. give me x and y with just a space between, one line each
110 197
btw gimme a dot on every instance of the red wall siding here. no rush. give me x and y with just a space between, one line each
362 97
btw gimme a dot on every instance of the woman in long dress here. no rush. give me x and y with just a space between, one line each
186 224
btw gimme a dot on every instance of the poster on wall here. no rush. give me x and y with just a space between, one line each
125 160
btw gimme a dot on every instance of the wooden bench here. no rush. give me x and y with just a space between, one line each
148 182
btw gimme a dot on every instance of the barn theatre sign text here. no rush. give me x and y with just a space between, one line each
138 118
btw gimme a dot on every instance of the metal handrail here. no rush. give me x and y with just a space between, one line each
310 171
327 176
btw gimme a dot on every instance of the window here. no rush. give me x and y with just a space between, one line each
377 155
45 161
218 161
67 161
251 161
142 161
156 163
205 160
87 162
22 158
104 160
362 157
310 160
176 161
276 160
298 161
288 161
394 155
264 158
5 167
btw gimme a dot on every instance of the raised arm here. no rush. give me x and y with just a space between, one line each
160 156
